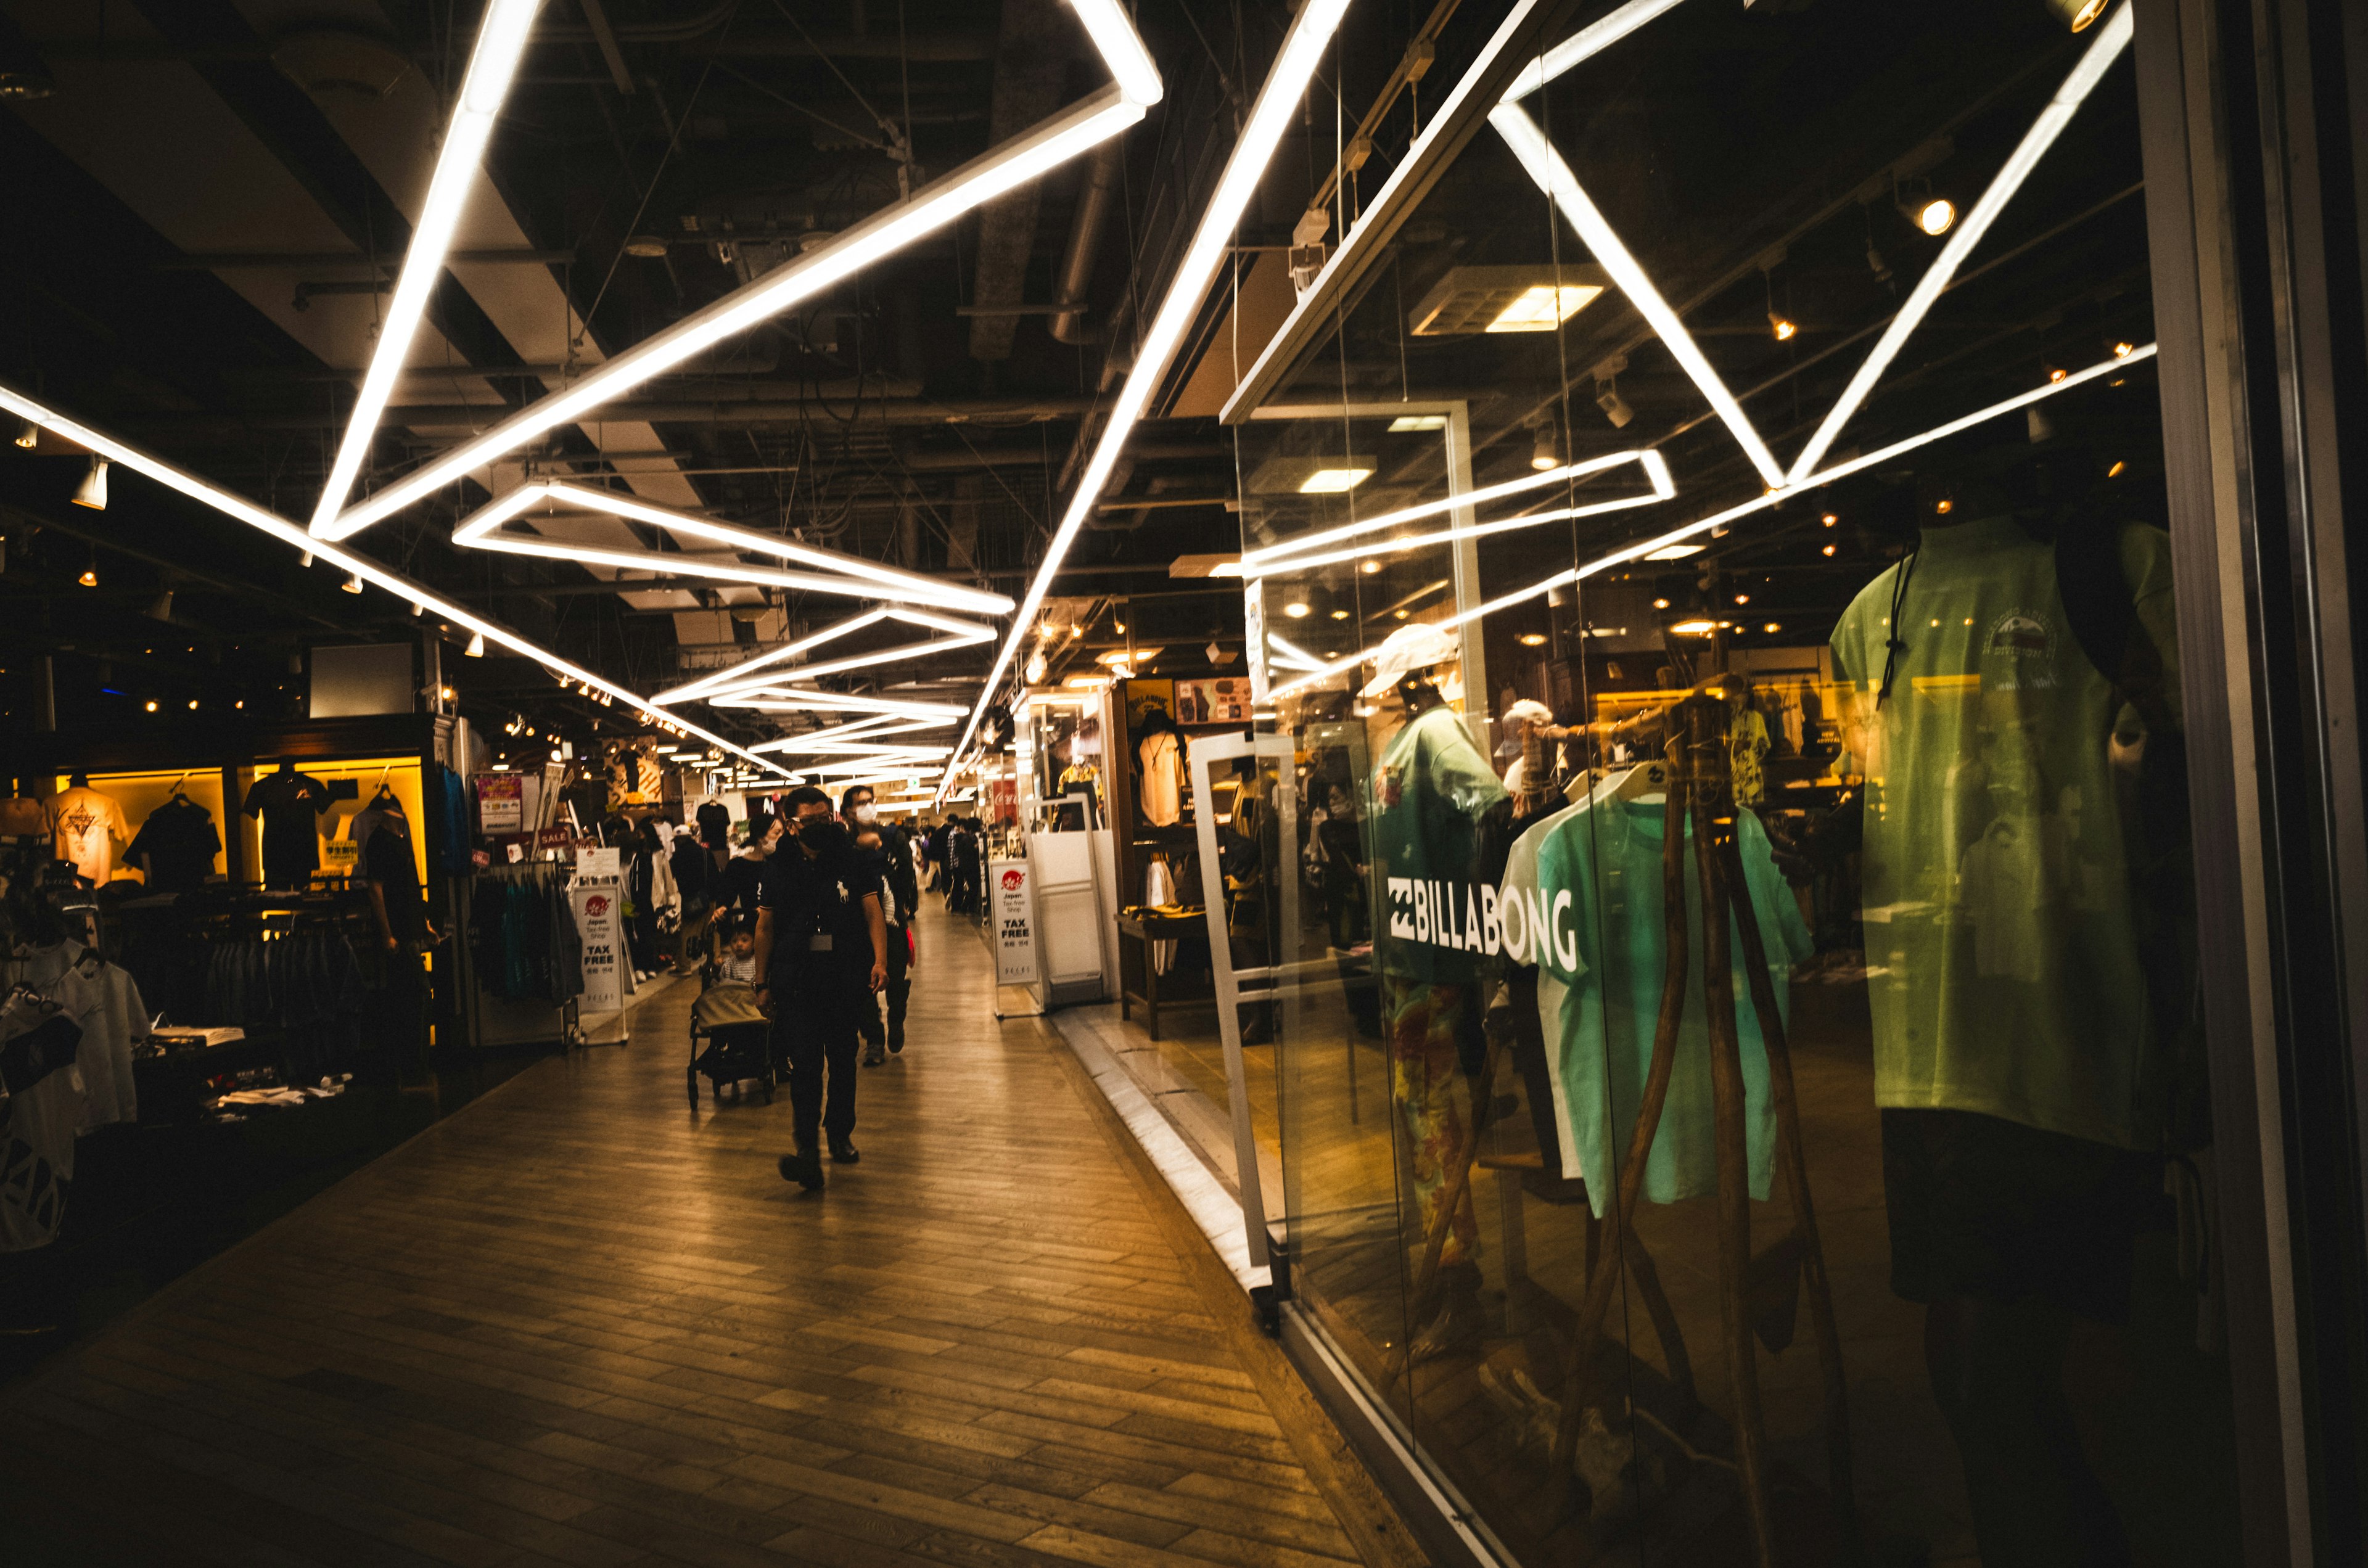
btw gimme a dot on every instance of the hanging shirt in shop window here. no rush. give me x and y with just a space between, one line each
2001 946
87 827
1430 788
288 803
176 845
1582 901
39 1041
1162 796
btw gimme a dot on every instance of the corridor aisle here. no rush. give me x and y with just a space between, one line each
580 1324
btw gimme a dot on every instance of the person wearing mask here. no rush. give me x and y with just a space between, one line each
822 948
743 877
891 852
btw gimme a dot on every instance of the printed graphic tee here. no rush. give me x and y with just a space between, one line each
2001 948
1430 788
1582 901
292 842
86 828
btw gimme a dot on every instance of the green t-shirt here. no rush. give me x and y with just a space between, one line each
2002 960
1582 901
1430 790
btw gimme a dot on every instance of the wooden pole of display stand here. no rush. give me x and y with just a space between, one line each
1702 787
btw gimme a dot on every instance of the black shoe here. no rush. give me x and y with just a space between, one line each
896 1044
842 1150
803 1168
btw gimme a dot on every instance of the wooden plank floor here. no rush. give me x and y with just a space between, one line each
578 1324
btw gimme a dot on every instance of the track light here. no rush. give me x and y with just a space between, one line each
476 648
1616 407
28 435
1785 331
92 491
2077 15
417 609
161 607
1931 214
353 583
1546 452
89 579
1036 669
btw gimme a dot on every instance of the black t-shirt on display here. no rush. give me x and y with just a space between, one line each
177 842
715 825
291 845
387 861
819 898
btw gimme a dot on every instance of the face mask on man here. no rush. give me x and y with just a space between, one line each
867 813
822 833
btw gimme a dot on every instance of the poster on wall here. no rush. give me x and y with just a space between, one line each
501 802
1225 700
1003 800
1143 696
1015 933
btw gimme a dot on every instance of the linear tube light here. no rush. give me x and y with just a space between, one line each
1255 562
241 509
480 530
2111 40
1545 165
492 64
1372 548
1076 131
799 700
1270 118
1585 44
902 652
1398 188
1644 547
876 725
745 673
1121 50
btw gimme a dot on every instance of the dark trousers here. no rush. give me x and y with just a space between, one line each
899 990
814 1037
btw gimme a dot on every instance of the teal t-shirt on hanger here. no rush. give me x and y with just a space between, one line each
1582 901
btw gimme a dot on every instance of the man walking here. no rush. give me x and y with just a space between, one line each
900 894
822 946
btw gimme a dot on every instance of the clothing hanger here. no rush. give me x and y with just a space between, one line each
175 793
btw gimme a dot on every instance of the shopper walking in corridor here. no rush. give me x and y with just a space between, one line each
888 847
822 946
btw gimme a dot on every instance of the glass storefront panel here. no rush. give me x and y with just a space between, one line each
1741 489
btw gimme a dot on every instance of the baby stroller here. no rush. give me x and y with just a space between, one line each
730 1040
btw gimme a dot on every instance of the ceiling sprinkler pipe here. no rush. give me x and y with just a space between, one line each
1077 275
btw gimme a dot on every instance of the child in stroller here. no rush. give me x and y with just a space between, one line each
730 1040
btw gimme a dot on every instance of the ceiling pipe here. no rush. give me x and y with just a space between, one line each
1076 278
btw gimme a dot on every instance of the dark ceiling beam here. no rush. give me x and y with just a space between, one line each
1032 61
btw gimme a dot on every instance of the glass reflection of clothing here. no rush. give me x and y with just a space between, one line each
2002 938
1601 950
1422 1020
1430 792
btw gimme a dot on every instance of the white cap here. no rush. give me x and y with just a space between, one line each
1413 647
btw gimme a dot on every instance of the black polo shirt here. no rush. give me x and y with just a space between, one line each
821 935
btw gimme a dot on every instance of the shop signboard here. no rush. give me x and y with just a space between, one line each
501 804
1015 925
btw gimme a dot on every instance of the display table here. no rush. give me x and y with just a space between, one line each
1139 977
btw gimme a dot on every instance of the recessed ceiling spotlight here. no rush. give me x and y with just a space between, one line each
1533 638
1295 609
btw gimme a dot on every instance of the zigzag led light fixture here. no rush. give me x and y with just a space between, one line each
1073 131
1292 557
1271 117
240 509
851 575
746 676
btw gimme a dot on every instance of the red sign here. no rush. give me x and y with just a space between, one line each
1014 880
598 904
